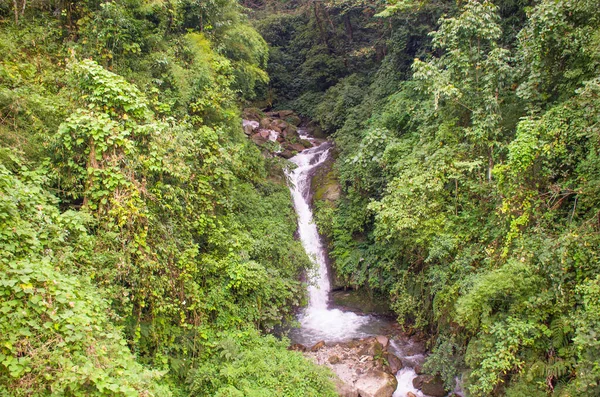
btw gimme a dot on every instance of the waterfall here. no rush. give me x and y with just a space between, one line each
318 321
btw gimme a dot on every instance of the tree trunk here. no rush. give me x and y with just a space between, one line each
16 9
322 32
348 25
490 163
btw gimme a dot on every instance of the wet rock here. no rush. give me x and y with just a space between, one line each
371 347
430 385
282 125
376 383
266 123
383 340
259 139
318 346
293 146
291 130
298 147
297 347
411 394
250 126
286 154
394 363
418 382
306 143
334 360
345 390
419 369
285 113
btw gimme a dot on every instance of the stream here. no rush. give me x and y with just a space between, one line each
318 321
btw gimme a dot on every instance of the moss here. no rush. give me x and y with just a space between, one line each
325 184
361 301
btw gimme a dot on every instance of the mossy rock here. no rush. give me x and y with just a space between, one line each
306 143
252 114
360 301
325 184
293 120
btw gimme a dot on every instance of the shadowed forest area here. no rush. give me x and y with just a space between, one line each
148 248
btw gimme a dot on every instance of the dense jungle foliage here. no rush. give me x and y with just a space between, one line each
145 246
468 139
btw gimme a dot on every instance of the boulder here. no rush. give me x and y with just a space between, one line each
290 132
418 381
383 340
286 113
250 126
345 390
252 114
293 120
375 383
334 360
297 347
411 394
266 122
394 363
298 147
259 139
419 369
286 154
317 346
282 125
371 347
430 385
306 143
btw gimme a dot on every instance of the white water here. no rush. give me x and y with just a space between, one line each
319 322
405 377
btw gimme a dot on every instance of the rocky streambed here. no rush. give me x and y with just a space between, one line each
376 367
276 131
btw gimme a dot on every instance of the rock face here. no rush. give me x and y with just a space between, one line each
359 366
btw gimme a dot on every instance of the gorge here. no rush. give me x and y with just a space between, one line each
414 184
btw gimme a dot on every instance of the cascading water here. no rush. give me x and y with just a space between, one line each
318 321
